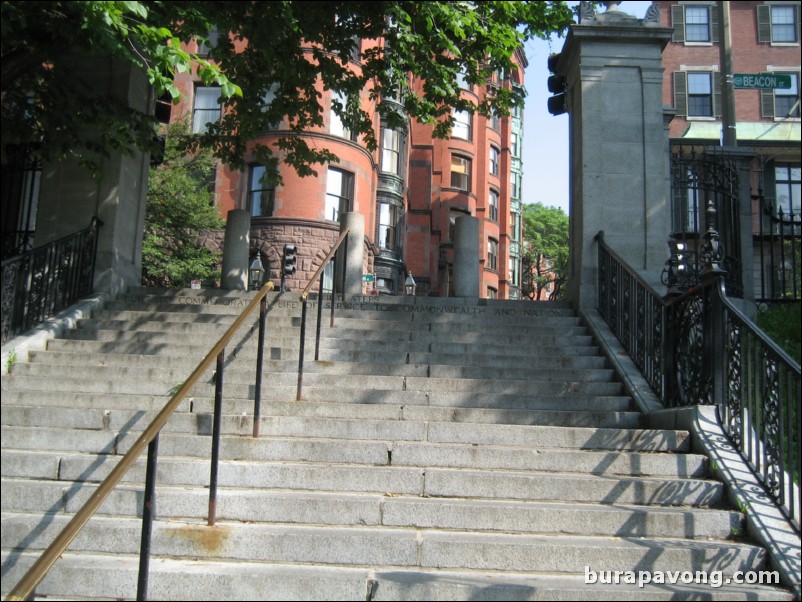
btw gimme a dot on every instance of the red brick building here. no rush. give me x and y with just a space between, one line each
765 39
410 191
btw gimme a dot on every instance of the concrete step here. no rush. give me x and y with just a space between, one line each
84 576
382 547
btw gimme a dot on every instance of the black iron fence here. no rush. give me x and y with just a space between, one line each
39 283
698 348
777 245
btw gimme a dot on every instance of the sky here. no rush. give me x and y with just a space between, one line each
545 146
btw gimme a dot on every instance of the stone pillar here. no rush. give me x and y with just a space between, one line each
355 252
70 195
620 178
466 257
236 247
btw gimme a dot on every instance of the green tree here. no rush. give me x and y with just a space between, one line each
179 205
290 47
545 251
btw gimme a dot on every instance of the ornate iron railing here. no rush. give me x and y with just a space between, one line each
698 348
40 283
778 249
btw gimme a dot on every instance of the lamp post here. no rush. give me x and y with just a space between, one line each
255 273
409 285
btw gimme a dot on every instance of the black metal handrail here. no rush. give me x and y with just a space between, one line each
698 348
150 439
343 238
41 282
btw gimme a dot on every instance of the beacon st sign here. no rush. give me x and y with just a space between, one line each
762 81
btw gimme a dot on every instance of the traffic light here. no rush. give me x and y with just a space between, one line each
288 262
556 85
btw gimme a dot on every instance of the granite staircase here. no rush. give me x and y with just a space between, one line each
444 449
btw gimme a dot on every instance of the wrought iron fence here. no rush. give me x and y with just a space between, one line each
698 348
41 282
778 251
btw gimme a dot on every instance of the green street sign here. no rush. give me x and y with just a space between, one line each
762 81
368 277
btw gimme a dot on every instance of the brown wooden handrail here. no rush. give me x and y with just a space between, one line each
27 585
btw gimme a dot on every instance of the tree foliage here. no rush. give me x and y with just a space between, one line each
282 47
545 251
179 205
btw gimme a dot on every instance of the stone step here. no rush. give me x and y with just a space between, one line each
162 338
242 373
85 576
369 385
533 436
349 509
118 409
373 346
274 448
383 547
350 403
329 355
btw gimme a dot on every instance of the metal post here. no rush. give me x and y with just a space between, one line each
320 317
218 410
260 353
148 514
301 351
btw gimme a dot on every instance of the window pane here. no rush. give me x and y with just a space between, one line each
786 102
460 172
391 151
261 195
783 28
462 125
206 109
697 27
339 190
700 98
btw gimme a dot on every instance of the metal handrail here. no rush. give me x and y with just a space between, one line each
699 348
26 586
304 301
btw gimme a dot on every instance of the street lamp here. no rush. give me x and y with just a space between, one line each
409 285
255 273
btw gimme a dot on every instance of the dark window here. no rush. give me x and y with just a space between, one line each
261 193
492 254
492 205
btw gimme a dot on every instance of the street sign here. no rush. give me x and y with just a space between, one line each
762 81
368 277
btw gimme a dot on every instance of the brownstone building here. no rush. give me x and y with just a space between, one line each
765 39
409 191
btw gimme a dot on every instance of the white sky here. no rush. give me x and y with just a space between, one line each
545 146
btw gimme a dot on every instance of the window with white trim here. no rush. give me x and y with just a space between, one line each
461 173
695 23
778 23
781 103
339 193
205 108
697 93
495 157
391 151
462 125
